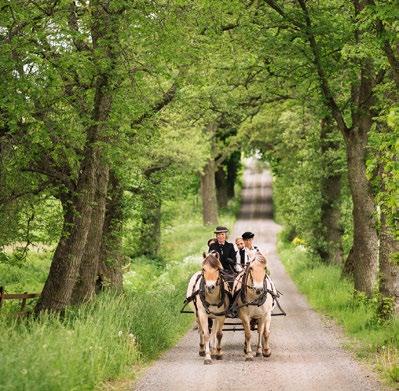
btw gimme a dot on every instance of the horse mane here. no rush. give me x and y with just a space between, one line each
212 259
260 258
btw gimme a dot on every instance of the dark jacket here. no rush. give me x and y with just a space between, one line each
227 254
242 256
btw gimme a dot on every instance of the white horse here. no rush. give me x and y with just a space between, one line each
207 293
255 301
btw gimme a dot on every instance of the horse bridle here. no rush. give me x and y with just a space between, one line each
258 301
218 281
201 293
252 281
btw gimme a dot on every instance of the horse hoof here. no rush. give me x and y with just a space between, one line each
219 357
249 359
202 354
267 354
208 361
258 354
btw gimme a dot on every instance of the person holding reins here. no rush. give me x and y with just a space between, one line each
225 249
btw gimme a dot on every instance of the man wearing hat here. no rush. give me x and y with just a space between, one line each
225 249
250 249
250 253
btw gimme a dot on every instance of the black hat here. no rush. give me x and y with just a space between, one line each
220 229
247 235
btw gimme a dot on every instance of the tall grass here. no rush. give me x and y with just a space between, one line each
89 345
104 340
329 293
96 342
70 353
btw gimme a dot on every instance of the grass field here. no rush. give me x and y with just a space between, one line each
111 338
371 339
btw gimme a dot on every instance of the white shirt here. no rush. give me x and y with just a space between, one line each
238 266
250 253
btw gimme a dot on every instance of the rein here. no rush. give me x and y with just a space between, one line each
227 277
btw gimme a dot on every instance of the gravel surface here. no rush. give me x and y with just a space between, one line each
307 351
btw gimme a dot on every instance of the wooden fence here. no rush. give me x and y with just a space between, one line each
16 296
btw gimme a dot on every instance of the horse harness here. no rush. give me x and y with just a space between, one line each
233 307
201 293
260 300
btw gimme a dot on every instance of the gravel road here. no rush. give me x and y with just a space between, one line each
307 351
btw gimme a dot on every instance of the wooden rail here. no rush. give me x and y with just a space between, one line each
16 296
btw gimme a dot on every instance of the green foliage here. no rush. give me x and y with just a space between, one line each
326 291
288 137
43 135
383 165
385 308
99 342
27 276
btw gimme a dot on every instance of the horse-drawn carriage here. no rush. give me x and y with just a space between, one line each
249 296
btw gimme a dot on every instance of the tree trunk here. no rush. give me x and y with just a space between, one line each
331 250
331 219
84 289
208 184
85 286
65 264
364 250
349 266
208 194
111 258
233 164
389 266
221 187
150 232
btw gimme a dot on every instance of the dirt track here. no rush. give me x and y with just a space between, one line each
306 349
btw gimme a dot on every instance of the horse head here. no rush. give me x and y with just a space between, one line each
257 271
211 267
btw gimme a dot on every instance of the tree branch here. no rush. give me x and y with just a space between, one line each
166 99
387 48
324 85
14 196
79 43
282 13
157 167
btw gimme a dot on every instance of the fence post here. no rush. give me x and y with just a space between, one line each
1 296
23 303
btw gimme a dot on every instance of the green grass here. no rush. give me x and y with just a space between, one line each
73 353
111 338
376 341
92 344
26 275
